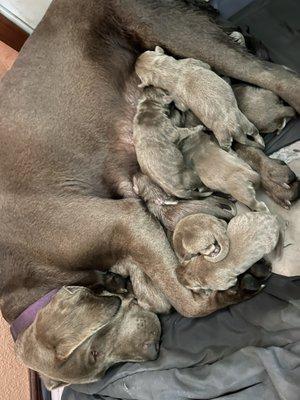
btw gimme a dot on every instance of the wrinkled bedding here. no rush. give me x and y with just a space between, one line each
248 351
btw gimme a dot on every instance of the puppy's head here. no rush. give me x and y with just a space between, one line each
146 63
252 236
79 335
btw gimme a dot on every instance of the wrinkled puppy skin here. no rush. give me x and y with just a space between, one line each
277 179
262 107
154 138
201 234
222 171
193 85
169 211
252 236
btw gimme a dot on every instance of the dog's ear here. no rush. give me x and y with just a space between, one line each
52 384
159 50
72 316
90 314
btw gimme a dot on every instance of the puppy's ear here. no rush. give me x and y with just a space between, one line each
52 384
159 50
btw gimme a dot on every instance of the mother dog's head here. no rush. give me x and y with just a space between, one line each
79 335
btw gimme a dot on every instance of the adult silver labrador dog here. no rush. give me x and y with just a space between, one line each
67 158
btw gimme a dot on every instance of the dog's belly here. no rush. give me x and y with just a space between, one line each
121 162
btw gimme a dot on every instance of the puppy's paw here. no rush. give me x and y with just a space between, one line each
280 182
247 286
249 283
262 270
248 134
254 279
225 140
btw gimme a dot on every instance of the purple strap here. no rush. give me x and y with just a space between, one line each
27 317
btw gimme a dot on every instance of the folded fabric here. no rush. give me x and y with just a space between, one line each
250 350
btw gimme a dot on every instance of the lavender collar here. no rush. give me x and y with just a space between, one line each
27 317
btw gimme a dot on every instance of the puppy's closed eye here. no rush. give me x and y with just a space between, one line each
188 257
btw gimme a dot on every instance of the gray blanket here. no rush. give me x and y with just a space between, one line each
248 351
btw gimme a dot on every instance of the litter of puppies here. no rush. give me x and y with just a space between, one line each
196 136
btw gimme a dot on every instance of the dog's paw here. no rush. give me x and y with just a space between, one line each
280 182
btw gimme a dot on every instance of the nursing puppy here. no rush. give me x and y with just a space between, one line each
154 139
252 236
169 211
262 107
193 85
222 171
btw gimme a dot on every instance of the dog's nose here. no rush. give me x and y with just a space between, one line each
151 349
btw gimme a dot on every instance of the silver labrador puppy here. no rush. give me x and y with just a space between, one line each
193 85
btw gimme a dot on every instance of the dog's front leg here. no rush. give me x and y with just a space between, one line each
95 233
185 32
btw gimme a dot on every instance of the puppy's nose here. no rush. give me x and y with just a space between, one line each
151 349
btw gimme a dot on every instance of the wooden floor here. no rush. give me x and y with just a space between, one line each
11 34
